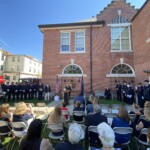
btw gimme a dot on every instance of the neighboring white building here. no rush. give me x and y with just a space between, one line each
21 66
3 55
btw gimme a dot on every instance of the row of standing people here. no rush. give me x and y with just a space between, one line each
127 93
24 91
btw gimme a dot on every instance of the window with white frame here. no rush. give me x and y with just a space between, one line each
65 42
72 69
120 38
79 41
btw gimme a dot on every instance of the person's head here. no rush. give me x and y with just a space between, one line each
147 110
123 114
35 129
56 114
146 82
91 97
78 104
21 108
6 108
75 133
97 108
106 135
148 136
63 104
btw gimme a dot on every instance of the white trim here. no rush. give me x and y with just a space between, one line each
61 42
118 51
120 75
74 30
78 52
119 24
72 75
83 43
148 40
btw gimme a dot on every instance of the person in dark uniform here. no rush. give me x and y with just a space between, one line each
40 91
107 93
140 95
35 89
147 91
12 90
30 91
129 94
4 88
21 91
124 89
8 92
47 90
17 92
119 91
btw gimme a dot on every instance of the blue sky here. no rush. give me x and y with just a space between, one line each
19 20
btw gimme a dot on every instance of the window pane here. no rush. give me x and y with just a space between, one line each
65 41
125 44
72 69
124 32
79 41
115 44
65 47
115 33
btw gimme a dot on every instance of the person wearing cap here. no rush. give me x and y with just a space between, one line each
129 94
75 134
146 90
140 95
107 137
119 91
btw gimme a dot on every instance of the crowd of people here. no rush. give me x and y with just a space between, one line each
23 91
127 93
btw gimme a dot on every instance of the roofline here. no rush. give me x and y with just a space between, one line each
71 24
140 10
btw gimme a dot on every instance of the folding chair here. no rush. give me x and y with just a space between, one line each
143 132
110 117
19 130
123 131
115 107
104 108
93 136
132 117
79 115
129 108
8 131
56 127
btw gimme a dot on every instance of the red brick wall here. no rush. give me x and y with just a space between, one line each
140 33
103 59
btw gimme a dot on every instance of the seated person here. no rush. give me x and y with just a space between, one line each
23 113
122 120
56 117
90 106
33 140
148 137
80 98
75 134
64 108
7 113
78 108
4 129
107 137
143 123
94 120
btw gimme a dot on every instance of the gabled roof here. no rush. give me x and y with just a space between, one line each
140 9
112 2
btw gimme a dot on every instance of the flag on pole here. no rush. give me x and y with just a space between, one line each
82 87
57 88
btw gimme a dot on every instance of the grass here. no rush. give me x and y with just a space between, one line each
46 132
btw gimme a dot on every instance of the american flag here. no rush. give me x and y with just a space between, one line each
57 88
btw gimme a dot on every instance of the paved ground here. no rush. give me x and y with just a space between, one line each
70 106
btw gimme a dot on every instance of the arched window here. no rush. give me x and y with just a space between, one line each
72 69
122 69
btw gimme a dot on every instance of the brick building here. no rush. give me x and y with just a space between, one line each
100 49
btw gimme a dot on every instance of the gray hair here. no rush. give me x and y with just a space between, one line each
75 133
97 108
106 135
